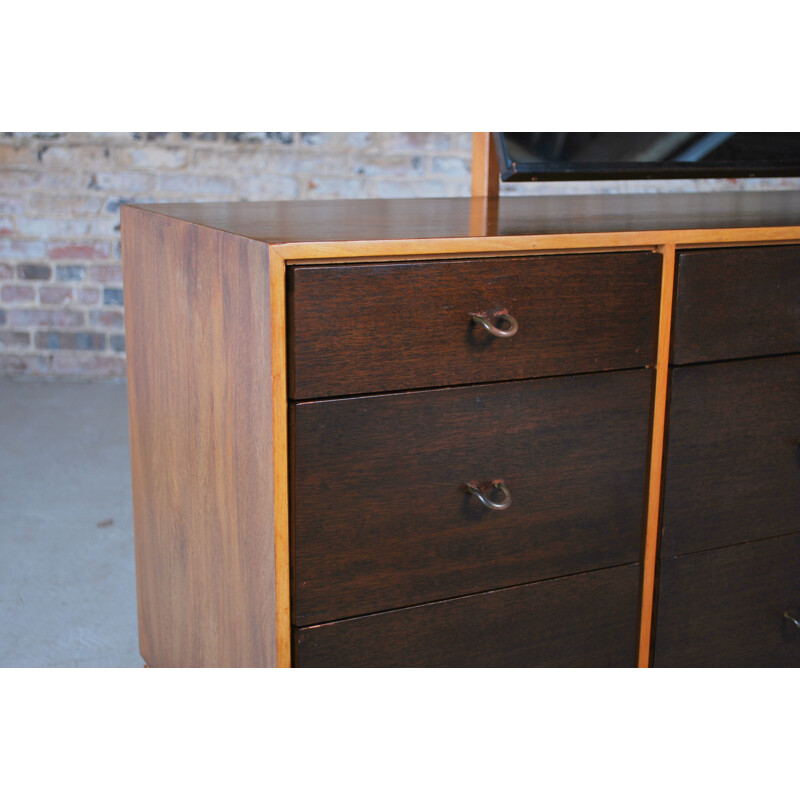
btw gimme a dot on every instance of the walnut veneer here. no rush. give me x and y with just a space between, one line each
316 412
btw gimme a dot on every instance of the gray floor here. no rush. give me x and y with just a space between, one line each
67 585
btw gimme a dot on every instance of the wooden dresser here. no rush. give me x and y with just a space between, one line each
554 431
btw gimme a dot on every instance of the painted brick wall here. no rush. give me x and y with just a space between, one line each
61 299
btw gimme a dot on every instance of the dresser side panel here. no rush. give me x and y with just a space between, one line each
197 314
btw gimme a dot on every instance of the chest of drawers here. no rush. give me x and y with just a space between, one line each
729 569
464 432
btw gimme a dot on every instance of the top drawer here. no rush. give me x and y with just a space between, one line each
357 328
737 303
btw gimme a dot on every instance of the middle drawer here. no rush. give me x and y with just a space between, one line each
382 516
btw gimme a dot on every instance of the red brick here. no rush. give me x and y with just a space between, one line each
17 293
88 365
106 319
78 250
14 364
14 339
70 340
107 273
55 295
12 155
88 296
50 318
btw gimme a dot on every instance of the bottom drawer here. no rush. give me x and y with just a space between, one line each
725 608
587 620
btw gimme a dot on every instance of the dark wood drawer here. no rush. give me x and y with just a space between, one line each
724 608
737 303
733 454
356 329
382 517
587 620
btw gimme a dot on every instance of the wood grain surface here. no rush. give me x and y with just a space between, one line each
724 608
380 327
585 620
733 456
485 166
737 303
406 220
197 314
382 517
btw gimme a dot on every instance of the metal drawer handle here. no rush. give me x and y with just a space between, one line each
788 616
490 323
474 488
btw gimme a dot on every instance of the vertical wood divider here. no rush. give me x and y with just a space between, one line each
485 169
280 438
656 452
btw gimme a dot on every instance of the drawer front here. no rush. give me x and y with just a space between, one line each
587 620
733 454
356 329
724 608
382 517
737 303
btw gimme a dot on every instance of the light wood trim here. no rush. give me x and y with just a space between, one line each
468 254
280 455
479 216
656 453
485 169
732 237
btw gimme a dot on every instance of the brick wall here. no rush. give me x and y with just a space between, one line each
61 300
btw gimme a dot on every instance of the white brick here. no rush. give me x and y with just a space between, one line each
416 141
238 160
123 182
410 189
105 226
187 184
67 205
74 157
11 205
152 156
406 166
22 250
268 187
19 181
333 188
360 140
47 227
451 166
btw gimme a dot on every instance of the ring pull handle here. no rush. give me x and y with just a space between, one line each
490 323
788 616
474 488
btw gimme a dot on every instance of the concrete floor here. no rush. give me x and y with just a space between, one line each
67 583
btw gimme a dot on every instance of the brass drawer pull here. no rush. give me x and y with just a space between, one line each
788 616
474 488
490 323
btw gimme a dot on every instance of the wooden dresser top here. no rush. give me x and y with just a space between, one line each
316 221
